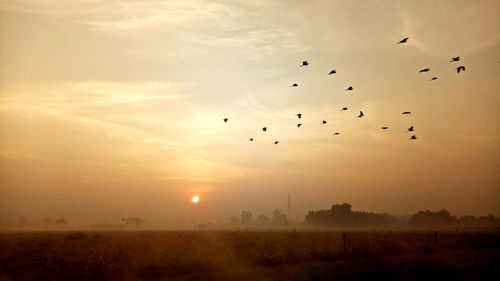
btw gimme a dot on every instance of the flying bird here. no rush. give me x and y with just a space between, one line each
298 125
384 128
299 115
361 114
424 70
344 109
350 88
406 113
455 59
250 139
264 129
460 68
411 129
276 142
336 134
404 40
323 122
225 119
305 63
433 78
332 72
294 85
413 137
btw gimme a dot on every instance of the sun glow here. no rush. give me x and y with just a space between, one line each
195 199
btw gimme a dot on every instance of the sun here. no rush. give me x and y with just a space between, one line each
195 199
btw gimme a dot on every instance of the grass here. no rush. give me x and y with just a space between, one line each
233 255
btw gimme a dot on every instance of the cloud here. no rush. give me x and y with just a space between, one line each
117 15
74 102
244 25
93 93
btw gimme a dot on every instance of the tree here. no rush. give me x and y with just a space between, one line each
246 217
235 220
61 222
22 222
429 218
342 209
279 217
135 222
342 215
46 222
263 220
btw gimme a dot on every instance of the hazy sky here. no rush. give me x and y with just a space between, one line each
114 108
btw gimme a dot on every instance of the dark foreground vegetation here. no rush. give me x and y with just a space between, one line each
235 255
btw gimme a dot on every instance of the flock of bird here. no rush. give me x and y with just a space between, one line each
411 129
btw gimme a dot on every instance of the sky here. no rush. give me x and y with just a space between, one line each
111 109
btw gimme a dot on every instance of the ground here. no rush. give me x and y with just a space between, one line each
247 255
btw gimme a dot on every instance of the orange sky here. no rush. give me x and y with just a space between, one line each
113 108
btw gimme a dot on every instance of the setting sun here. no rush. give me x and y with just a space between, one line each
195 199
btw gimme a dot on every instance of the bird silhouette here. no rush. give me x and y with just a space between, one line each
455 59
264 129
294 85
332 72
323 122
336 134
298 125
250 139
276 142
361 114
350 88
305 63
344 109
384 128
433 78
411 129
404 40
424 70
406 113
460 68
225 119
413 137
299 115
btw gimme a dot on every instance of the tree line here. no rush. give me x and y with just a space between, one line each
245 218
343 215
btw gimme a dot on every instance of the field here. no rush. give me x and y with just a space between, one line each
247 255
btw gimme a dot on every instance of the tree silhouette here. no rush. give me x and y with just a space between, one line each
279 217
429 218
263 220
46 222
135 222
342 215
246 217
22 222
61 222
235 220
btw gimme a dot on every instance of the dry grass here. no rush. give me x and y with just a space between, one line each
213 255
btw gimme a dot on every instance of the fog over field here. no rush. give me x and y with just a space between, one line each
114 109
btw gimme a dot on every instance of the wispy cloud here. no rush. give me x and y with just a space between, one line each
72 101
94 93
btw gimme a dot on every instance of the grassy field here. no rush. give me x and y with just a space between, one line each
234 255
